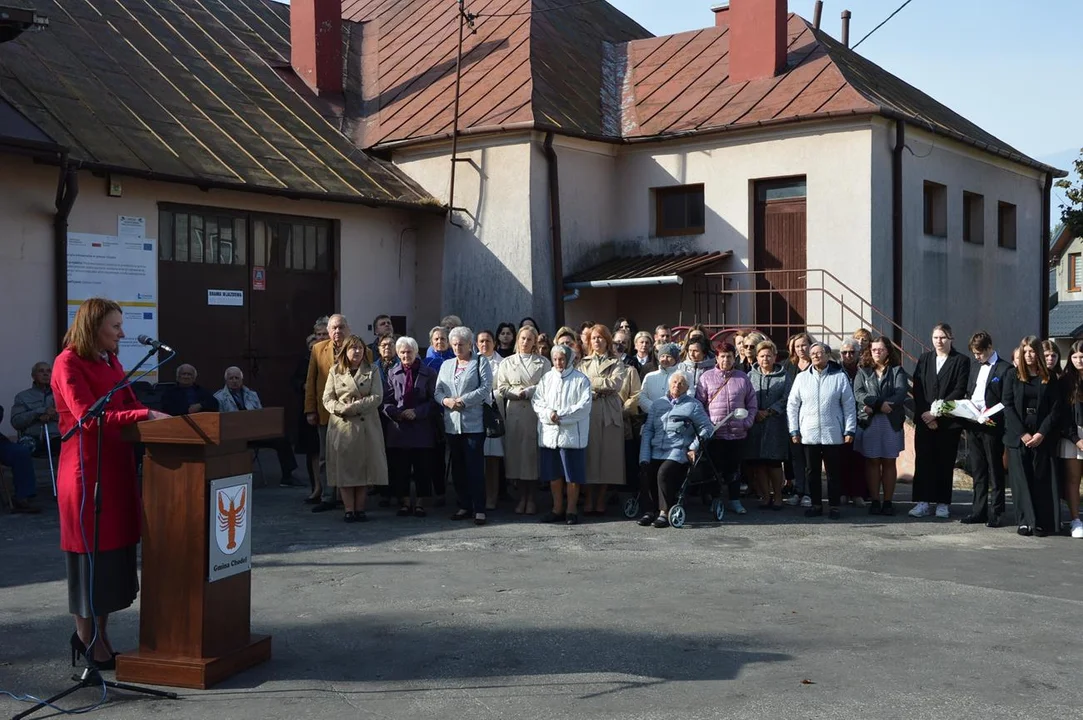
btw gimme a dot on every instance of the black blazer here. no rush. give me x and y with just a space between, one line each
175 401
650 366
948 384
1071 416
994 386
872 391
1050 408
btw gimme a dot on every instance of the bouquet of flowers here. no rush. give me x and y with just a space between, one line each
966 410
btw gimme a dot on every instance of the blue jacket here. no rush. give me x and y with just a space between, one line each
474 385
673 428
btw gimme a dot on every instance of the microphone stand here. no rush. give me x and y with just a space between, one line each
90 677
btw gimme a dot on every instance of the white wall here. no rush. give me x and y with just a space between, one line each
487 263
1062 269
971 287
378 264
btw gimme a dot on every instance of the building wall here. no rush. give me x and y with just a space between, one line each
834 159
488 274
370 238
1062 284
970 286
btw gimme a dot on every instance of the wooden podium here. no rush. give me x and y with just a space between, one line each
193 632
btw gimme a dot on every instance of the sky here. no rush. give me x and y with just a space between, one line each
1009 66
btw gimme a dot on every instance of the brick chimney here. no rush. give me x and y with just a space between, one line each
316 44
757 38
721 14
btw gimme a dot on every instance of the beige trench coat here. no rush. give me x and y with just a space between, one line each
605 449
520 373
355 439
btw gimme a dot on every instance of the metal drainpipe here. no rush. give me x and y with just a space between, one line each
1047 199
897 231
556 244
67 190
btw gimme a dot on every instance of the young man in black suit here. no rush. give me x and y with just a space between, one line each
985 387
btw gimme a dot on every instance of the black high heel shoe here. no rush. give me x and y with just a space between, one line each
79 650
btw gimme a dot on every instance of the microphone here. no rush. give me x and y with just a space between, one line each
151 342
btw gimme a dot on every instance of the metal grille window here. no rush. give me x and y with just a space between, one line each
216 237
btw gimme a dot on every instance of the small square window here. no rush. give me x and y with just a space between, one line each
936 209
679 210
1006 225
973 218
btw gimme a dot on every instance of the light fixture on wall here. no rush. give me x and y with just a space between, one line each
114 188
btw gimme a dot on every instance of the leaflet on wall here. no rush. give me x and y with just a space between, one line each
123 269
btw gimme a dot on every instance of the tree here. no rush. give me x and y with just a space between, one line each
1072 213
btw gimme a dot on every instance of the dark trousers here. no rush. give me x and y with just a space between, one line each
829 456
661 482
797 460
439 468
986 456
287 462
468 470
934 463
1037 502
726 456
17 457
410 464
854 483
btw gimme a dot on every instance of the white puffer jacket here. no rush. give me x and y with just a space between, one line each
655 387
821 407
567 393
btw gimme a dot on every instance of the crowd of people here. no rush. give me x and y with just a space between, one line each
604 408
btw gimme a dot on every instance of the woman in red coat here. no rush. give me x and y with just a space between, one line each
86 370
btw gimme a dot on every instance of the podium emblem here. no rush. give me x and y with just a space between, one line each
232 521
230 515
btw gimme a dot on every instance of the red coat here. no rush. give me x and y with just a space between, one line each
77 383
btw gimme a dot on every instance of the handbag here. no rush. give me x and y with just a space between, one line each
490 412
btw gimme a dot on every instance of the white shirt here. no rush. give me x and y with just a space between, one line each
978 398
940 363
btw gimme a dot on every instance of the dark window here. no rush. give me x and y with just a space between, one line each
973 218
1006 225
936 209
679 211
221 238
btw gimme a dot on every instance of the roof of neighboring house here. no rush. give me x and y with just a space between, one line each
1066 319
586 69
16 130
188 91
647 269
525 63
1060 243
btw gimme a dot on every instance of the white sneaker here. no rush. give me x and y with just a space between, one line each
1077 529
859 501
943 511
792 500
737 507
806 501
920 510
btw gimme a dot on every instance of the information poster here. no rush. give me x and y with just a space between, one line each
123 269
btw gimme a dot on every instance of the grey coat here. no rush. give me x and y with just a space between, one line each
769 439
873 391
474 385
29 405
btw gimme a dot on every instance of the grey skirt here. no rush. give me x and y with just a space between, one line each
116 581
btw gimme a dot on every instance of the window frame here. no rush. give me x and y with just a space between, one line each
660 196
1007 240
934 200
970 216
1073 264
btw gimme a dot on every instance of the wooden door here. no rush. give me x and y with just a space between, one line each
780 257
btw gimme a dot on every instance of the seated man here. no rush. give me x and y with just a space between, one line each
187 398
235 397
17 457
34 412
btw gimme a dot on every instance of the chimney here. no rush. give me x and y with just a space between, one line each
846 28
757 38
316 44
817 14
721 14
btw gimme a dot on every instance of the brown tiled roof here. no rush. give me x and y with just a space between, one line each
648 266
528 63
189 91
680 84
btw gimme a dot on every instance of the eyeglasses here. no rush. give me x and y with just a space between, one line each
846 352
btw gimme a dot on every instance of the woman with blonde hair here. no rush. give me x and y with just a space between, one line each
605 451
1032 416
516 381
355 438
